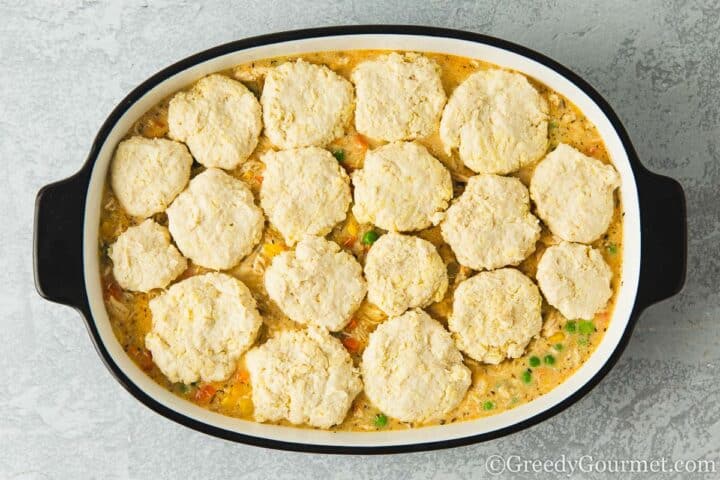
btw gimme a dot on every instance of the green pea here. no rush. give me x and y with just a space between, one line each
526 376
558 346
339 155
612 248
586 327
534 361
369 237
380 420
488 405
553 124
571 326
582 341
549 360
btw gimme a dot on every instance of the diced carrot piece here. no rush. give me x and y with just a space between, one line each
142 357
601 319
205 393
360 140
243 376
349 242
352 344
352 324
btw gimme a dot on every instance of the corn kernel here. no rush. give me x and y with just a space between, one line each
352 227
557 337
245 406
272 249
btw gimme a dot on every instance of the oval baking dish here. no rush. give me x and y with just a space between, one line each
653 254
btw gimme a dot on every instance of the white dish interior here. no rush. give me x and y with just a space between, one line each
501 57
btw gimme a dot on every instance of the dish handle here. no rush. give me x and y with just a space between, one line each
663 224
58 240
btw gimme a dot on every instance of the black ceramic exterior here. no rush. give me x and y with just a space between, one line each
60 210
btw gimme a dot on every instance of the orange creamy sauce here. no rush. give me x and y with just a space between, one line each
495 388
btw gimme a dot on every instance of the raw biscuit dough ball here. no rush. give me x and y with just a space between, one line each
399 97
495 315
575 279
304 192
490 225
401 187
303 376
404 272
574 194
305 104
219 119
497 121
143 258
316 284
412 369
214 221
147 174
201 326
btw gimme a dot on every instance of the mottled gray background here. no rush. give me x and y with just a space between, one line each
63 67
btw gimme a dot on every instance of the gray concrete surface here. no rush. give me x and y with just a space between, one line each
65 64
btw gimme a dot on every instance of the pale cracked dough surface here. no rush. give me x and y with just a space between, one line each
147 174
401 187
574 194
304 192
399 97
215 221
490 225
404 272
497 121
219 119
412 369
305 104
575 279
495 315
302 376
317 283
143 258
201 326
